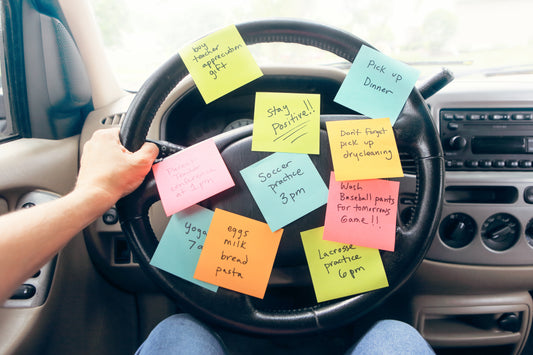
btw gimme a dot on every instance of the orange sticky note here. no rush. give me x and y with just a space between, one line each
238 253
286 122
362 213
364 149
191 176
220 63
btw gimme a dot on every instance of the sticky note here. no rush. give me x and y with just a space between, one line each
181 244
285 186
191 176
238 254
286 122
340 270
363 149
362 213
377 85
220 63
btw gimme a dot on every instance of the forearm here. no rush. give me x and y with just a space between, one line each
31 237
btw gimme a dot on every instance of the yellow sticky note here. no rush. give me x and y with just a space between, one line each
286 122
363 149
238 253
340 270
220 63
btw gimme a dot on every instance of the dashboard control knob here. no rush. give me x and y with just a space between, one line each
500 231
457 142
457 230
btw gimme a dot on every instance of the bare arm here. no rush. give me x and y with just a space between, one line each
30 237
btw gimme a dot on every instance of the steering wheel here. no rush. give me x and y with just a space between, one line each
415 135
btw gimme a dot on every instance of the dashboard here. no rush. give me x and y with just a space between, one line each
486 131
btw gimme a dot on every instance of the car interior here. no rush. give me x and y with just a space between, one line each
462 269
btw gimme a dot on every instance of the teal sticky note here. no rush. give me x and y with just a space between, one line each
376 85
181 244
285 186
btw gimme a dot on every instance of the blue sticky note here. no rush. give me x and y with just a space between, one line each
376 85
285 186
181 244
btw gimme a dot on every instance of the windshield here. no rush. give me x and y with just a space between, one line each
467 36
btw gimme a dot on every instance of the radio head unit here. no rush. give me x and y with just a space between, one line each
487 139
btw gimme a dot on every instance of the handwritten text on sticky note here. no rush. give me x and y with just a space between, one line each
339 270
362 213
286 122
182 242
285 186
363 149
377 85
238 254
220 63
191 176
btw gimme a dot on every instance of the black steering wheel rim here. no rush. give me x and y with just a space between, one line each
415 135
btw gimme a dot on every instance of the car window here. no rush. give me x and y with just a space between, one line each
467 36
6 127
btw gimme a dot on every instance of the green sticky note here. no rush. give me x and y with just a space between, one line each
182 242
286 122
220 63
340 270
377 85
285 186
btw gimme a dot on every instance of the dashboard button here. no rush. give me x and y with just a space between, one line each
485 163
499 164
528 195
472 163
525 163
453 126
458 164
511 163
497 117
459 117
447 116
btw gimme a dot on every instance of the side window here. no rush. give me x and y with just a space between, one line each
6 128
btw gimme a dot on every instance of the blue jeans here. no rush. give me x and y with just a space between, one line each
182 334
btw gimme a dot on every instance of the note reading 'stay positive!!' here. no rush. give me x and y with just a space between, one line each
182 242
220 63
362 212
340 270
238 254
191 176
285 186
377 85
363 149
286 122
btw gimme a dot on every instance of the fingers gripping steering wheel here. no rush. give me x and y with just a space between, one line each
415 135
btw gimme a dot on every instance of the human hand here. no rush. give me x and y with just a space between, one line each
109 170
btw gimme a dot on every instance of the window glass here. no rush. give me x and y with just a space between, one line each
471 37
6 127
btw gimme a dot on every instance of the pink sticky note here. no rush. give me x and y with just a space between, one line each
362 212
191 176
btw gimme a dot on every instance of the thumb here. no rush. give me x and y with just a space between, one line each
148 152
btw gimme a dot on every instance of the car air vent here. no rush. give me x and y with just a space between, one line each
113 120
408 164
